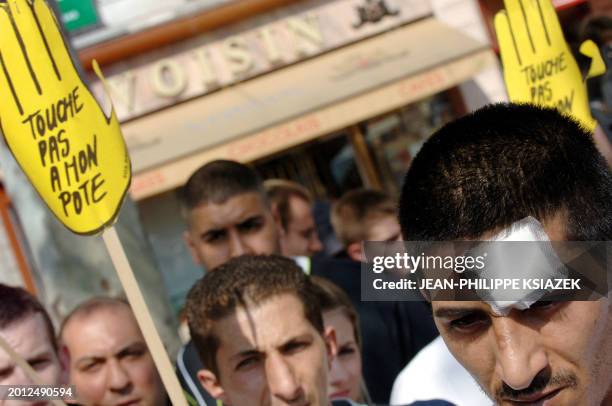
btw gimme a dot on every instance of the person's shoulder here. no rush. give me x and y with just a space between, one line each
325 264
338 270
343 272
345 402
188 357
435 402
434 357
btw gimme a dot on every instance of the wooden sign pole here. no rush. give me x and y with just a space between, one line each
143 317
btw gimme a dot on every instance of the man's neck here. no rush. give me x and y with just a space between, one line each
608 399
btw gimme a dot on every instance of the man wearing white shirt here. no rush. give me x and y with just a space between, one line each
435 373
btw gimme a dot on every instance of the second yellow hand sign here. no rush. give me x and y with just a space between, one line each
539 67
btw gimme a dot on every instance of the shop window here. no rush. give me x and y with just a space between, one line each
326 166
396 138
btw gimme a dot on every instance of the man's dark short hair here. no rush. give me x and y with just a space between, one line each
219 181
279 192
597 28
16 305
501 164
352 214
332 297
237 283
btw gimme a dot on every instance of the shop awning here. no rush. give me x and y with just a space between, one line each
302 102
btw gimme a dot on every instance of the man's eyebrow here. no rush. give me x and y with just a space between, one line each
6 370
245 353
449 312
133 346
255 352
300 335
87 359
39 355
253 217
295 339
210 232
392 238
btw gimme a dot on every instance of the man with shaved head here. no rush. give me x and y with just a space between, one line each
503 169
110 363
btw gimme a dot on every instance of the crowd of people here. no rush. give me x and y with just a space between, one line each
273 321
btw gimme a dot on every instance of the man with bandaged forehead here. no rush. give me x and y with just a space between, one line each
518 172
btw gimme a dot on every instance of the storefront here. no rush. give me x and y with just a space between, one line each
333 94
283 80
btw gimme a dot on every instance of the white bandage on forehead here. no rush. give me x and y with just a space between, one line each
520 261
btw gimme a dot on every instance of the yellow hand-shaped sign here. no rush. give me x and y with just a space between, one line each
72 153
539 67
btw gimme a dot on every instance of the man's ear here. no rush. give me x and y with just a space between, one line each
355 251
191 246
210 382
329 335
277 218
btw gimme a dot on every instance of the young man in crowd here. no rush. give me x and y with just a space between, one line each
364 215
293 212
27 328
257 325
110 363
482 174
228 214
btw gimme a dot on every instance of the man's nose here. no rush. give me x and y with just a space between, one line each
118 378
314 244
520 356
337 374
238 245
282 381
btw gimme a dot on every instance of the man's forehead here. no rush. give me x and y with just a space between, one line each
298 205
382 226
27 335
108 328
444 308
300 214
242 205
264 324
555 227
522 251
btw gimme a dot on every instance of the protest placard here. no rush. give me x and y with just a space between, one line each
71 151
539 67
